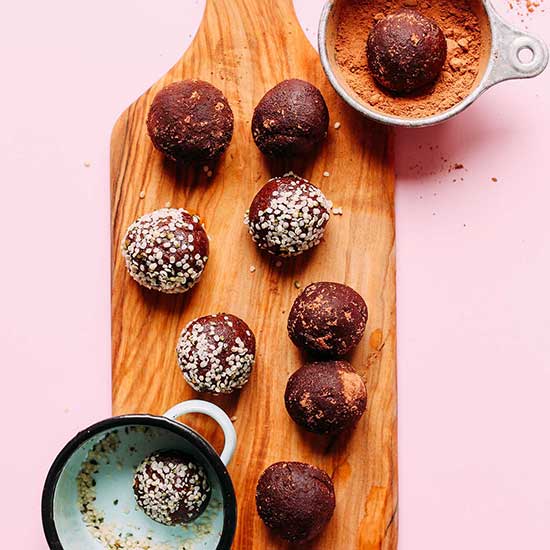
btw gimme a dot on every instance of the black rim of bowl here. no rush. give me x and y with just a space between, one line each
228 492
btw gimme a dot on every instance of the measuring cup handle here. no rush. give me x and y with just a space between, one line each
509 43
213 411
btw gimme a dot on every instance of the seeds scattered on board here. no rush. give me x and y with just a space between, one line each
142 194
326 173
337 211
337 125
288 216
166 250
171 488
216 353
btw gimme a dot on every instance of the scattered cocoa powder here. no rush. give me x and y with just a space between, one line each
462 29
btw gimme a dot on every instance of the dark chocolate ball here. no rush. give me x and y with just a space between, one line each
325 397
295 500
288 216
406 50
171 488
190 121
216 353
166 250
290 119
327 319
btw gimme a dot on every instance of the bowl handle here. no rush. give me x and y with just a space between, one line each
509 43
204 407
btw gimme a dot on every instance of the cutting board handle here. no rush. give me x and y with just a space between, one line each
222 14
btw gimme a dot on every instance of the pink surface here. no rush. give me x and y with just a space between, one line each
473 270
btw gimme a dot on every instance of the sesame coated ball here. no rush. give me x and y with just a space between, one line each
166 250
327 319
288 216
190 121
171 488
216 353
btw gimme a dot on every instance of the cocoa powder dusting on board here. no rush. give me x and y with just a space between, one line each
464 44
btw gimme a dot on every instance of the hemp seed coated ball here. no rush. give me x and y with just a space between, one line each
166 250
216 353
327 319
190 121
325 397
290 119
295 500
288 216
171 488
406 51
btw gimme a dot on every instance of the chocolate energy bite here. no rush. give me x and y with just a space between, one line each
406 51
171 488
290 119
288 216
190 121
327 319
325 397
295 500
166 250
216 353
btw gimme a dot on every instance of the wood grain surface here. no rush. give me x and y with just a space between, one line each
245 47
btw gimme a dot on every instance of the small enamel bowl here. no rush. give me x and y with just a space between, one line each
88 500
509 53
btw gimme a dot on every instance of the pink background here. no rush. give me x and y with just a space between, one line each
473 273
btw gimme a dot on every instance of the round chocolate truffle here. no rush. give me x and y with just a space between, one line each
325 397
288 216
190 121
295 500
171 488
327 319
406 50
166 250
216 353
290 119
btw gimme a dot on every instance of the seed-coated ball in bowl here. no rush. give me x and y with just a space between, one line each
295 500
171 488
325 397
166 250
190 121
406 51
327 319
291 119
288 216
216 353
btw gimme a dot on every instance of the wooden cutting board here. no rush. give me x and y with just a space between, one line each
245 47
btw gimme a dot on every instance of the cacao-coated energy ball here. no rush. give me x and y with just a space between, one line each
325 397
406 51
166 250
216 353
288 216
171 488
295 500
190 121
327 319
291 119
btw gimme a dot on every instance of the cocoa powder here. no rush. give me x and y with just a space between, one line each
462 29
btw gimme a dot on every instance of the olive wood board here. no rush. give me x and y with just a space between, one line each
244 48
